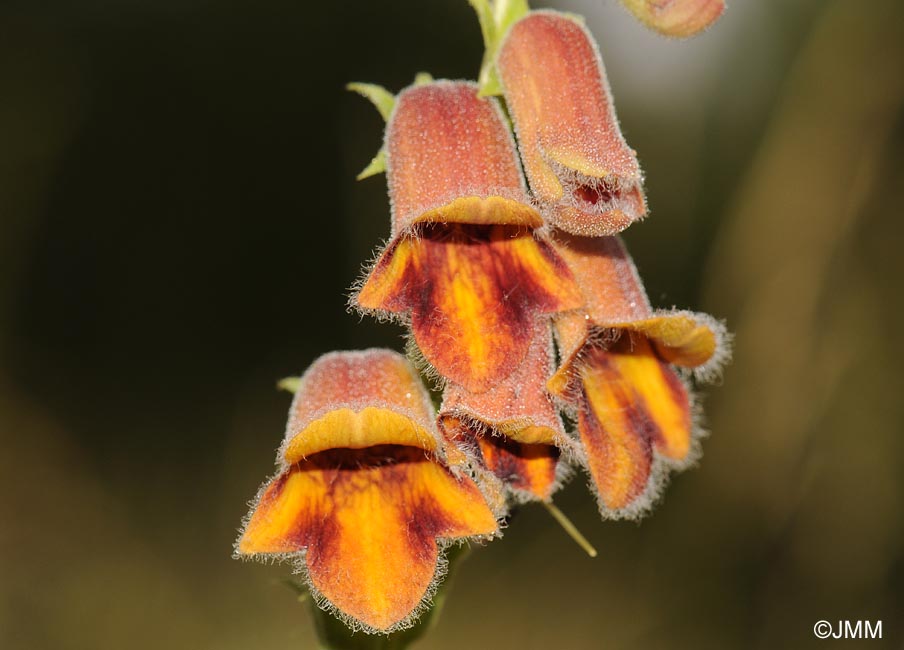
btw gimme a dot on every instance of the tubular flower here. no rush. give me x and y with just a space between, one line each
633 409
513 428
363 498
580 169
681 18
465 262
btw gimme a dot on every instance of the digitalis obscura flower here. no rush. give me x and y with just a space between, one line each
363 500
513 429
681 18
465 262
634 411
583 174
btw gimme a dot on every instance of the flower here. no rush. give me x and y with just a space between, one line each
465 262
512 429
363 500
634 411
583 174
680 18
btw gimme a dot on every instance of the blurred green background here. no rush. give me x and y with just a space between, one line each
179 224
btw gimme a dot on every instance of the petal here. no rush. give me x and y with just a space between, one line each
682 338
609 282
358 430
632 402
579 167
356 400
680 18
529 470
615 300
517 407
473 293
369 521
513 428
451 158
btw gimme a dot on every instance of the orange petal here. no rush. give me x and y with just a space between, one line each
681 18
369 521
603 269
513 426
529 470
682 338
579 167
614 299
452 159
525 470
632 401
473 293
357 400
517 407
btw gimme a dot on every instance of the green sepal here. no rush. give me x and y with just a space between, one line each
376 166
382 99
289 384
422 78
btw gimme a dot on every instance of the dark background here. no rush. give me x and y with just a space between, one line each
179 226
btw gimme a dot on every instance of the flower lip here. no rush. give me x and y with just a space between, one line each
681 338
367 528
356 400
523 462
584 176
481 210
634 419
347 429
472 293
615 302
451 158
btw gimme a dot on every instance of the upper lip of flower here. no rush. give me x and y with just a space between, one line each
450 158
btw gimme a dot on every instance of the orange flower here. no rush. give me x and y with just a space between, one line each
679 18
513 428
465 263
580 169
363 499
634 411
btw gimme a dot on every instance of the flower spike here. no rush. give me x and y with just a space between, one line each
580 169
465 263
634 411
363 497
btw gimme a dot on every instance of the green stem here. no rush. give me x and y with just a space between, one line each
569 527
